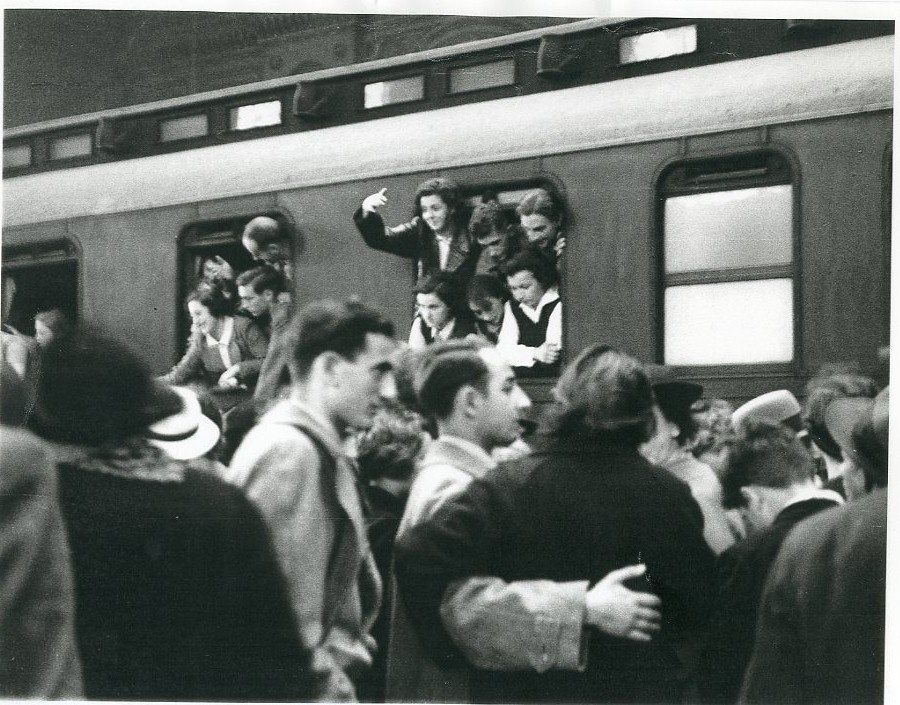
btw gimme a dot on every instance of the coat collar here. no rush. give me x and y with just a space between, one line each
458 453
297 413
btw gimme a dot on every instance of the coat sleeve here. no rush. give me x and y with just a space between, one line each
457 541
254 344
189 366
282 476
524 625
402 240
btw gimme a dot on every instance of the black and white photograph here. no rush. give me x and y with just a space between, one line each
447 352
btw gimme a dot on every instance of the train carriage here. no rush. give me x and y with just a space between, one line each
728 184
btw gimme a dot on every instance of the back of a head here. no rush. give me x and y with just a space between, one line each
389 448
95 390
326 325
605 394
443 369
486 218
264 230
767 454
821 391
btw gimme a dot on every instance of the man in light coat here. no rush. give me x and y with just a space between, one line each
295 467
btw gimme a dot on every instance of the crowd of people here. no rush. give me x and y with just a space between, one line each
305 508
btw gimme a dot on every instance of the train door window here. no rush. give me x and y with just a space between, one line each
45 277
205 245
728 261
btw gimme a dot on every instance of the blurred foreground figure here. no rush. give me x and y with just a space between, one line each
178 593
39 657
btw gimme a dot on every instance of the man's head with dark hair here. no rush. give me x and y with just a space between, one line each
489 222
486 295
602 394
859 425
258 289
768 466
342 361
470 391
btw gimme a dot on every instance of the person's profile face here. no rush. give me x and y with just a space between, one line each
201 317
42 334
490 310
539 229
504 404
253 303
363 384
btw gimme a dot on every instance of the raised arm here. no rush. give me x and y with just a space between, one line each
402 240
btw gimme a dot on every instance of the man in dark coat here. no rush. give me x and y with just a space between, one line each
775 475
583 504
820 637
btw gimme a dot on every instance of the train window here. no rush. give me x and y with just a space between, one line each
658 44
17 156
71 146
248 117
46 277
728 263
481 76
182 128
399 90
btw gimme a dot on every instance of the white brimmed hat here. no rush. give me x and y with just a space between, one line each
185 435
779 406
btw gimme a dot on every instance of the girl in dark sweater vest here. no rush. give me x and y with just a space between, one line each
531 335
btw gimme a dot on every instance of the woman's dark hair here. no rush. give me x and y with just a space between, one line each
448 287
448 191
262 278
603 394
543 202
485 286
219 296
532 260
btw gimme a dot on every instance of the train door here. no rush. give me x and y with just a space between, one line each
202 242
39 277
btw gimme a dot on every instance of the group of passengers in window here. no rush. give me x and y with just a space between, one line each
479 274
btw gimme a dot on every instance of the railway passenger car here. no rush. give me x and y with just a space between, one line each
728 185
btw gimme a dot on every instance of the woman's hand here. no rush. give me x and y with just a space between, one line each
372 203
559 247
548 353
229 377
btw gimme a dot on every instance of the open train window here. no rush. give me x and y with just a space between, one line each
728 260
45 277
203 242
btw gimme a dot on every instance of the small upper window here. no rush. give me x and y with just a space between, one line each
658 44
182 128
248 117
17 156
71 146
399 90
481 76
728 261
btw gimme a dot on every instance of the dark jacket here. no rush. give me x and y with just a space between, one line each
273 373
820 637
742 572
178 591
573 510
415 240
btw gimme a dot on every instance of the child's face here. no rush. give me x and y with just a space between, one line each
488 311
433 311
524 288
434 212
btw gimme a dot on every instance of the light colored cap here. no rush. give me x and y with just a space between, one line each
187 434
779 406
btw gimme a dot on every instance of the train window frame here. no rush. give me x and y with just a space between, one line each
49 252
375 109
75 160
539 388
199 235
667 28
231 115
178 140
715 172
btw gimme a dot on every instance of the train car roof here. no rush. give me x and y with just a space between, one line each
801 85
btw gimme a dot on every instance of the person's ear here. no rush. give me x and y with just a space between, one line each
467 401
269 295
327 367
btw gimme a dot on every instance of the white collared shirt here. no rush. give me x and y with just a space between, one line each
508 338
223 342
443 243
417 339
